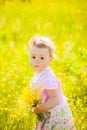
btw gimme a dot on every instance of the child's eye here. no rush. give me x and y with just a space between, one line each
33 57
42 58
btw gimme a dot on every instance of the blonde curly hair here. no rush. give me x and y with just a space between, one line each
42 42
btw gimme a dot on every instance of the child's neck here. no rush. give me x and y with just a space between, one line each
39 72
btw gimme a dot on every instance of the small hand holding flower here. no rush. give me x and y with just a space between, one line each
37 110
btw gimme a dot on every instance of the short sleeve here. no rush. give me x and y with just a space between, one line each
50 84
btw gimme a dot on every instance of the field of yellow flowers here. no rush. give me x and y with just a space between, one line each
65 22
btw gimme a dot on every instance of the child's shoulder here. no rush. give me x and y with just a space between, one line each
49 75
50 82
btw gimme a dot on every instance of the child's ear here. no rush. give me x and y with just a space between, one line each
51 58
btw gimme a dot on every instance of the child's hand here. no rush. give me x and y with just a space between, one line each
37 110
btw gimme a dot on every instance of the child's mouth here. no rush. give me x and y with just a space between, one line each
36 66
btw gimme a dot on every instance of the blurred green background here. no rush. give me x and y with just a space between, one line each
65 22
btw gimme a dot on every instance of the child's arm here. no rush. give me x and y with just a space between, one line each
52 102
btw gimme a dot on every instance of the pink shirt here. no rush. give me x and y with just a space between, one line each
47 80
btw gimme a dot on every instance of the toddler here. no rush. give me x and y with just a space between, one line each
59 114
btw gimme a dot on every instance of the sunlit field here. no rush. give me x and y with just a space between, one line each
65 22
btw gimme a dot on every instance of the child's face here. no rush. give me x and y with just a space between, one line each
39 58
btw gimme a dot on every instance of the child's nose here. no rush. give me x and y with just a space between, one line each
37 60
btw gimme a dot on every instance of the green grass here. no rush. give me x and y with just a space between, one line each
65 23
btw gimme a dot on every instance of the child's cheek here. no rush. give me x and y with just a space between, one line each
31 63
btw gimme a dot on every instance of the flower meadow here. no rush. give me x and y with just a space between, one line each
65 23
